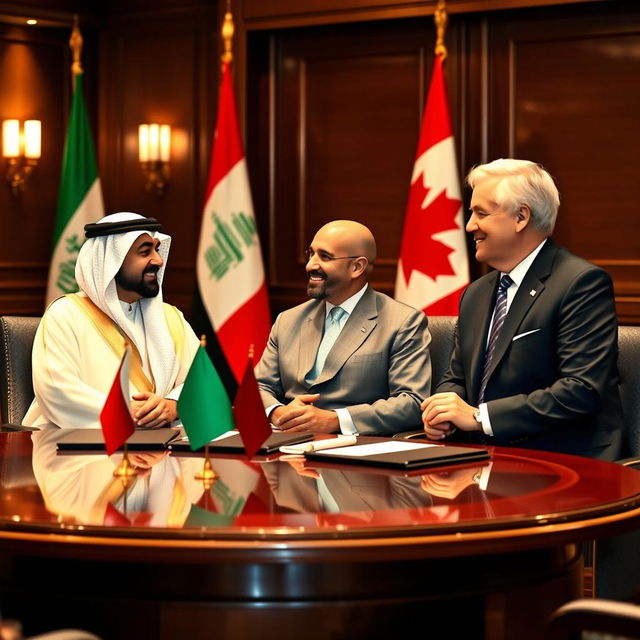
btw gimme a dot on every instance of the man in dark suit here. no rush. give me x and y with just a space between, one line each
534 357
363 371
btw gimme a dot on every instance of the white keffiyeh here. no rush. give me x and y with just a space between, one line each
99 261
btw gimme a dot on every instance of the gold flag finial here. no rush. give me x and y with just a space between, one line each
203 340
75 44
440 18
227 35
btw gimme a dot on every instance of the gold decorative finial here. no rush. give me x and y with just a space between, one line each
440 18
227 34
75 43
203 340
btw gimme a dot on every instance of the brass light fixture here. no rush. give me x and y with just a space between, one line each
154 153
21 149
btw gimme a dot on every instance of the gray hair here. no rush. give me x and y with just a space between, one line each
522 183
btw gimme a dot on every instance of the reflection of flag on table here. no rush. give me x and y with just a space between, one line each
248 412
433 267
204 407
229 265
115 417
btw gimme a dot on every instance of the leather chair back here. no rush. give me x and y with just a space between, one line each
441 329
16 385
629 370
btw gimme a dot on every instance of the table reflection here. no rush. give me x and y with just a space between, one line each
288 495
81 489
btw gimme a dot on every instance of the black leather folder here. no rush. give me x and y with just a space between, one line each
435 456
140 440
233 444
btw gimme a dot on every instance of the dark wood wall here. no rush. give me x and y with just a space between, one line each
330 94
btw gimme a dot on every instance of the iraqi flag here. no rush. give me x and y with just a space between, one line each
79 199
231 280
433 268
115 417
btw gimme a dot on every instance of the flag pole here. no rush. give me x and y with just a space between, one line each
125 469
208 475
75 44
441 18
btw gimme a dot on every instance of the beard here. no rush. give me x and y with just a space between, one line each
144 288
317 289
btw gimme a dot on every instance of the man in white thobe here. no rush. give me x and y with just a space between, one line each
81 339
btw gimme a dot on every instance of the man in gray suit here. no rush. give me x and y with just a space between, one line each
534 356
349 360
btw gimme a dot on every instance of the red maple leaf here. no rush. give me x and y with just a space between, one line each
420 250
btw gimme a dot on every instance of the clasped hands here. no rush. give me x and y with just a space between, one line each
151 411
443 413
301 415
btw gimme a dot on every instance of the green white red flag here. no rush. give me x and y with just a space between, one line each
229 265
433 268
79 199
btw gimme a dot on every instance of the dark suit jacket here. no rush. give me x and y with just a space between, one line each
378 368
553 382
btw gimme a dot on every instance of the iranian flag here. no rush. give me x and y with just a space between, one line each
79 200
230 271
433 268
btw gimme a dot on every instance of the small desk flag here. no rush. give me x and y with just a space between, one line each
115 417
204 406
249 413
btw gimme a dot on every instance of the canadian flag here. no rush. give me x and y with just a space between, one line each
433 268
229 264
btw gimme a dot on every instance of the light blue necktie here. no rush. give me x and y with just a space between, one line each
499 314
331 332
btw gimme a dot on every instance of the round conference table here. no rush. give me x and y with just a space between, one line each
280 547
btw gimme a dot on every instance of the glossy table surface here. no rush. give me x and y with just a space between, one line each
285 499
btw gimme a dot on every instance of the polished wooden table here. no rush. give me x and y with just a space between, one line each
280 548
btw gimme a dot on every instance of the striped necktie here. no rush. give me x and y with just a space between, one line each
499 314
331 332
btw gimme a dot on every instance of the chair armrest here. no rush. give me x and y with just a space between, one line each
633 462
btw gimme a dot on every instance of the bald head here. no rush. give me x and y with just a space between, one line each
353 237
341 258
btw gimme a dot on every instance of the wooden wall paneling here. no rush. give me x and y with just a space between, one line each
275 14
349 103
563 93
159 67
34 73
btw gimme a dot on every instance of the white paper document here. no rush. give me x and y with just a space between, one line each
374 448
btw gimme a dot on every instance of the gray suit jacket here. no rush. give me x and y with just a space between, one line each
553 381
379 367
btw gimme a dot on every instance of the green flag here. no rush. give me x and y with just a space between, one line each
79 199
204 406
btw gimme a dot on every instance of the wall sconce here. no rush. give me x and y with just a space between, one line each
154 153
22 151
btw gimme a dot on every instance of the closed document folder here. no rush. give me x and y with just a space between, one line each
231 442
140 440
399 454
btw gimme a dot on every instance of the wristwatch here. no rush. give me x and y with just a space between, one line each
478 419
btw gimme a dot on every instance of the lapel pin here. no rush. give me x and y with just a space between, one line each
363 330
532 292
